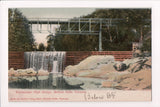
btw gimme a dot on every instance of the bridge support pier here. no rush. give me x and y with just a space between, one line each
100 36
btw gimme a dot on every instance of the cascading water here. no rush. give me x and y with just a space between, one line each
47 61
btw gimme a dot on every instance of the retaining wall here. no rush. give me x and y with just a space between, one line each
16 59
74 57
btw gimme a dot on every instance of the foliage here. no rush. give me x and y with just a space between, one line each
35 45
20 36
146 45
41 47
132 28
50 42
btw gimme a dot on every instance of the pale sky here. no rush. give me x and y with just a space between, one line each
53 13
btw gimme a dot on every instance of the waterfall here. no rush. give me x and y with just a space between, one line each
46 61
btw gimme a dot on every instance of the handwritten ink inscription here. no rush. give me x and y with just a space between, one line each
97 96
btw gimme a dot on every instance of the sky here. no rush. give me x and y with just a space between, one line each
52 13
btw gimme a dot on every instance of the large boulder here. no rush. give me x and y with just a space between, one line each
139 64
71 70
24 72
148 62
12 72
120 66
94 61
89 64
135 81
114 76
73 81
132 61
109 84
99 72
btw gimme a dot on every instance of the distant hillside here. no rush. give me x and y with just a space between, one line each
136 23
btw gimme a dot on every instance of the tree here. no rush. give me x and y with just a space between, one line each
41 47
50 42
35 45
146 43
20 35
132 28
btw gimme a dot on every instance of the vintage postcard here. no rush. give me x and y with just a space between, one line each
96 51
79 54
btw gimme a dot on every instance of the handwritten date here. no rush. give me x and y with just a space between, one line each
95 96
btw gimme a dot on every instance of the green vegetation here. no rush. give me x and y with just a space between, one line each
146 45
41 47
132 29
50 42
20 36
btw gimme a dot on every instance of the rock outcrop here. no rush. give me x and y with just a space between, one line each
130 74
92 63
98 72
135 81
26 72
137 64
120 66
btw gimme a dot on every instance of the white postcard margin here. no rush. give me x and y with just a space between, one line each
155 5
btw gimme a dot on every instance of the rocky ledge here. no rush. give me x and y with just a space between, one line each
26 72
96 72
131 74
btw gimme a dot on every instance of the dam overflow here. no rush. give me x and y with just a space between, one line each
46 61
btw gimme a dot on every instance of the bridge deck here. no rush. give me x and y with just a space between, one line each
77 20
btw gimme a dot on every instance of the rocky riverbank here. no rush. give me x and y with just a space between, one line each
131 74
94 72
26 72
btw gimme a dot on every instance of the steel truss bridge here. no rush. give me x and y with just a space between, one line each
76 26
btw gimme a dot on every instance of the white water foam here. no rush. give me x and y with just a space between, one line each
46 61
